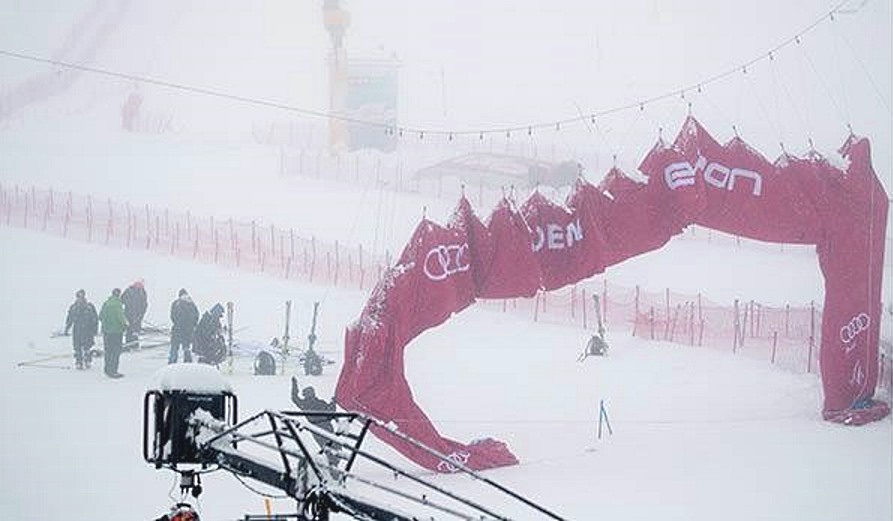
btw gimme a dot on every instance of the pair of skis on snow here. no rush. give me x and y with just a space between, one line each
311 361
46 362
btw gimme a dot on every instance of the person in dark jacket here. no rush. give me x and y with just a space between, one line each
307 401
135 304
114 323
184 317
82 321
208 342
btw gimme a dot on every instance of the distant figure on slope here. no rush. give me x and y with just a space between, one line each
184 317
135 305
208 342
83 322
114 323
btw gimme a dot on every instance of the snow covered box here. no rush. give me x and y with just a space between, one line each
190 404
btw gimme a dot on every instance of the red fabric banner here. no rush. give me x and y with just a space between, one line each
696 180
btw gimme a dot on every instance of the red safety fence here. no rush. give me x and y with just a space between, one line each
784 336
251 246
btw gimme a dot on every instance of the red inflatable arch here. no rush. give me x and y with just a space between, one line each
695 180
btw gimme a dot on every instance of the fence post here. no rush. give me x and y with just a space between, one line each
759 318
89 219
272 240
337 262
583 310
700 309
737 326
787 319
701 335
65 220
110 225
328 264
46 212
691 323
811 336
281 251
774 345
605 302
752 319
652 322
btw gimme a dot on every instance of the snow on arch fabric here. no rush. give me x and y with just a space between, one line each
695 179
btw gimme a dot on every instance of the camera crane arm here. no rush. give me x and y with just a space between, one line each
191 426
318 488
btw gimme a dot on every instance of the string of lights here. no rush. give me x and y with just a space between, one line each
581 117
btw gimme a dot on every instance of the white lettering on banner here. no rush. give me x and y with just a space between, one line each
850 331
455 458
445 260
858 376
717 175
557 238
682 174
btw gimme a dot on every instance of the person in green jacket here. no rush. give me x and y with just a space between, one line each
114 323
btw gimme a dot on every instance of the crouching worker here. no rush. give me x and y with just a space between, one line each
208 343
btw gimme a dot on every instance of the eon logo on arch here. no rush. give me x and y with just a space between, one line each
715 174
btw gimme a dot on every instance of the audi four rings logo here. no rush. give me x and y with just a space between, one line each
858 324
445 260
456 459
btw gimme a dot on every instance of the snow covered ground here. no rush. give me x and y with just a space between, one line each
699 434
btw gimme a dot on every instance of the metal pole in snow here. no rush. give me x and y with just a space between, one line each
603 419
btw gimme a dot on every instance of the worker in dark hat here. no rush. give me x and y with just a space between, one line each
184 317
208 343
307 401
82 321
